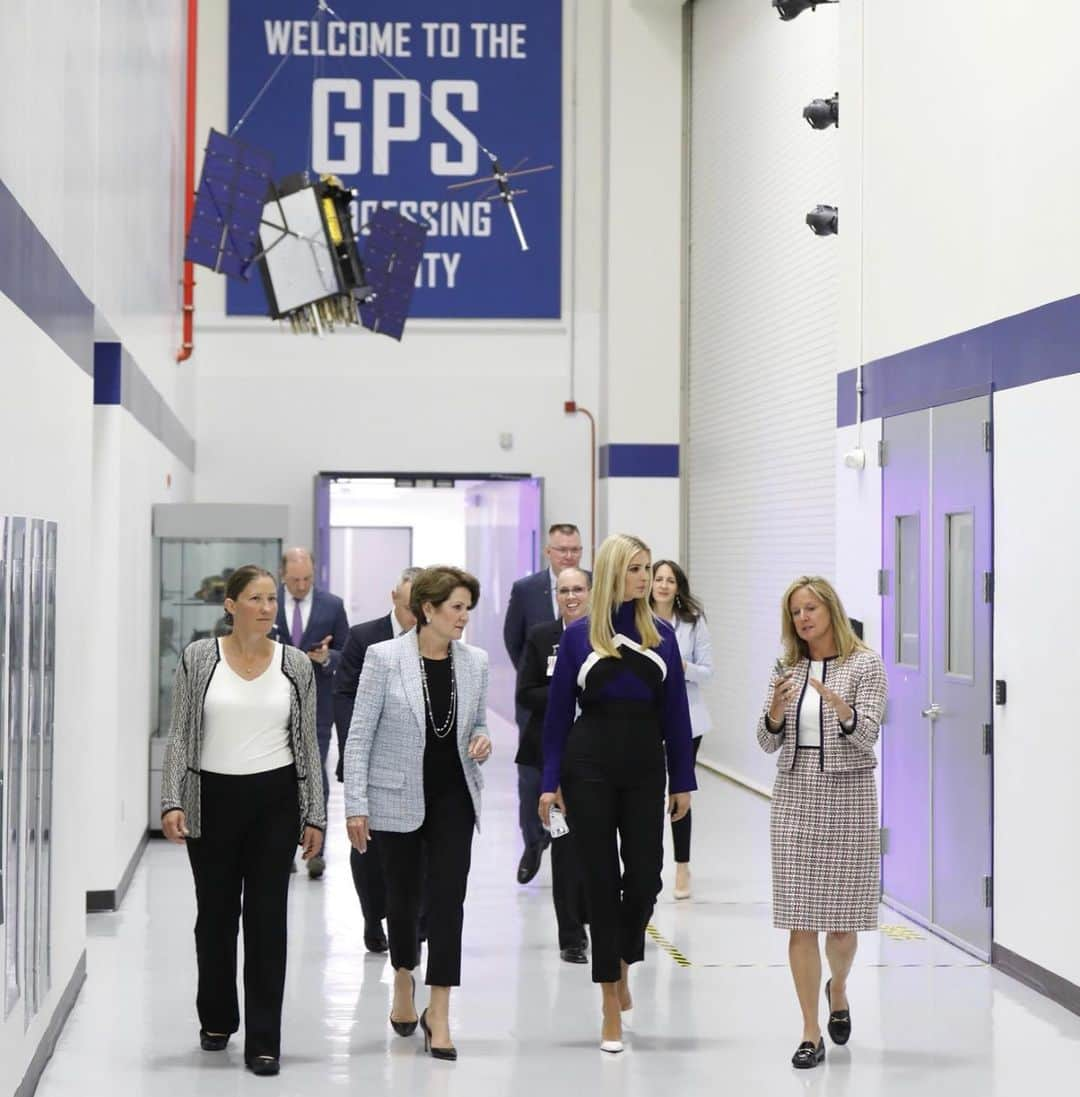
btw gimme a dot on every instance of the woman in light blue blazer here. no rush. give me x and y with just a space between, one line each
412 774
672 601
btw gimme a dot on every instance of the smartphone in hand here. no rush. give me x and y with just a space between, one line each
782 671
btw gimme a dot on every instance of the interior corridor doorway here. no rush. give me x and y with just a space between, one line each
371 526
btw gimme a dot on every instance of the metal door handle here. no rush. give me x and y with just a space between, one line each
933 712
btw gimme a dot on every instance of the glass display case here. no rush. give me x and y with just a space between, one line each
193 577
197 547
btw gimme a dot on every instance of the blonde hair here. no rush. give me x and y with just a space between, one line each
609 581
795 648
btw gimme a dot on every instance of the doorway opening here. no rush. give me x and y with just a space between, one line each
370 527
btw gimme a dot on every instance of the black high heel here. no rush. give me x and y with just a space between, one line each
839 1025
449 1053
807 1056
405 1028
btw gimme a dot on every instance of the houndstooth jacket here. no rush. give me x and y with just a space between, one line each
384 754
860 680
181 783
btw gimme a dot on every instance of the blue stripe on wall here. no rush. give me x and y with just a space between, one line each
108 373
34 278
1031 346
639 459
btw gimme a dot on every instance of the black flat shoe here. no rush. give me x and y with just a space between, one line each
449 1053
405 1028
839 1025
807 1056
375 939
213 1041
264 1065
575 955
529 865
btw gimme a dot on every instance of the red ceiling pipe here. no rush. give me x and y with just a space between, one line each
188 344
571 407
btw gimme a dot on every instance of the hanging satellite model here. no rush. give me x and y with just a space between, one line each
300 233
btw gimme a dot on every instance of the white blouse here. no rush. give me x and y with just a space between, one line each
246 723
810 708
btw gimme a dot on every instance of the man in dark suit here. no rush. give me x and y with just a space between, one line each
534 678
367 870
532 602
314 621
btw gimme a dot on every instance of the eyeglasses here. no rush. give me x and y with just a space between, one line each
572 590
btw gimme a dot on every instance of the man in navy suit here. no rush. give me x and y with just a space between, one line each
367 870
533 602
314 621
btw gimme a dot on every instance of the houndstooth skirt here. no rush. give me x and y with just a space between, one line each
825 852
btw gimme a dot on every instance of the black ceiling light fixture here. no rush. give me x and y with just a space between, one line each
792 9
823 113
823 220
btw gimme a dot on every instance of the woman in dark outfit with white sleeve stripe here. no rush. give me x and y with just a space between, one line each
822 713
241 783
622 667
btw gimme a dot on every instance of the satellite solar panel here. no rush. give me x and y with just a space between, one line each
224 232
391 258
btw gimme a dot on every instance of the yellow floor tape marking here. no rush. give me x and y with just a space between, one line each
901 933
666 945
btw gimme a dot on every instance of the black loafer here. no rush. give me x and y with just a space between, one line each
807 1056
375 938
213 1041
529 865
839 1025
264 1065
575 955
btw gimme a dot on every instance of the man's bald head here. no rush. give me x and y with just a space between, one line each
298 572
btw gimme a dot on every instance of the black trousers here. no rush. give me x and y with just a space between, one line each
370 884
613 779
444 843
250 826
680 831
568 892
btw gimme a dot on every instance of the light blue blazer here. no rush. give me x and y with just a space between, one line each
384 753
695 644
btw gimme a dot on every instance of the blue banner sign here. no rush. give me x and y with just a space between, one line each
399 98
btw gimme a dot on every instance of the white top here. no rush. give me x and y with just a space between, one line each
810 708
695 646
305 608
554 593
246 723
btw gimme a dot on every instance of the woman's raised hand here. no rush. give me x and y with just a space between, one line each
783 692
843 710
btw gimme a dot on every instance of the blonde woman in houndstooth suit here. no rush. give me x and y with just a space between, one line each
823 711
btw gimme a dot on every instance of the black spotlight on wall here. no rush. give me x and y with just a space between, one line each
823 220
792 9
823 113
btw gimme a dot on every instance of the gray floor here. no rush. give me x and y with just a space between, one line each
927 1018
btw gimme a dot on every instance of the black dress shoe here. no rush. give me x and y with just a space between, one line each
839 1020
807 1056
448 1053
529 865
575 955
263 1065
213 1041
375 938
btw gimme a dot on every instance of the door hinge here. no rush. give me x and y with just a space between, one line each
988 890
882 581
988 738
1000 691
988 436
884 839
882 453
988 586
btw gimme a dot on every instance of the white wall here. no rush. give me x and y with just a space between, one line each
1036 755
763 332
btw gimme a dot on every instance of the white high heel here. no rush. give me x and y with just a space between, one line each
684 892
612 1046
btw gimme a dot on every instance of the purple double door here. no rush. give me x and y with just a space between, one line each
937 632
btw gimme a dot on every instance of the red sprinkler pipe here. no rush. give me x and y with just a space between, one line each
571 407
188 344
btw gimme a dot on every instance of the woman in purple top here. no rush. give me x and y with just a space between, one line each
622 669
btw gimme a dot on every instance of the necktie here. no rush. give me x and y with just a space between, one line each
297 625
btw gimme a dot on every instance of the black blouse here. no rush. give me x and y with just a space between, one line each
442 762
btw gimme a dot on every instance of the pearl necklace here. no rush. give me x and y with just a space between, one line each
443 730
